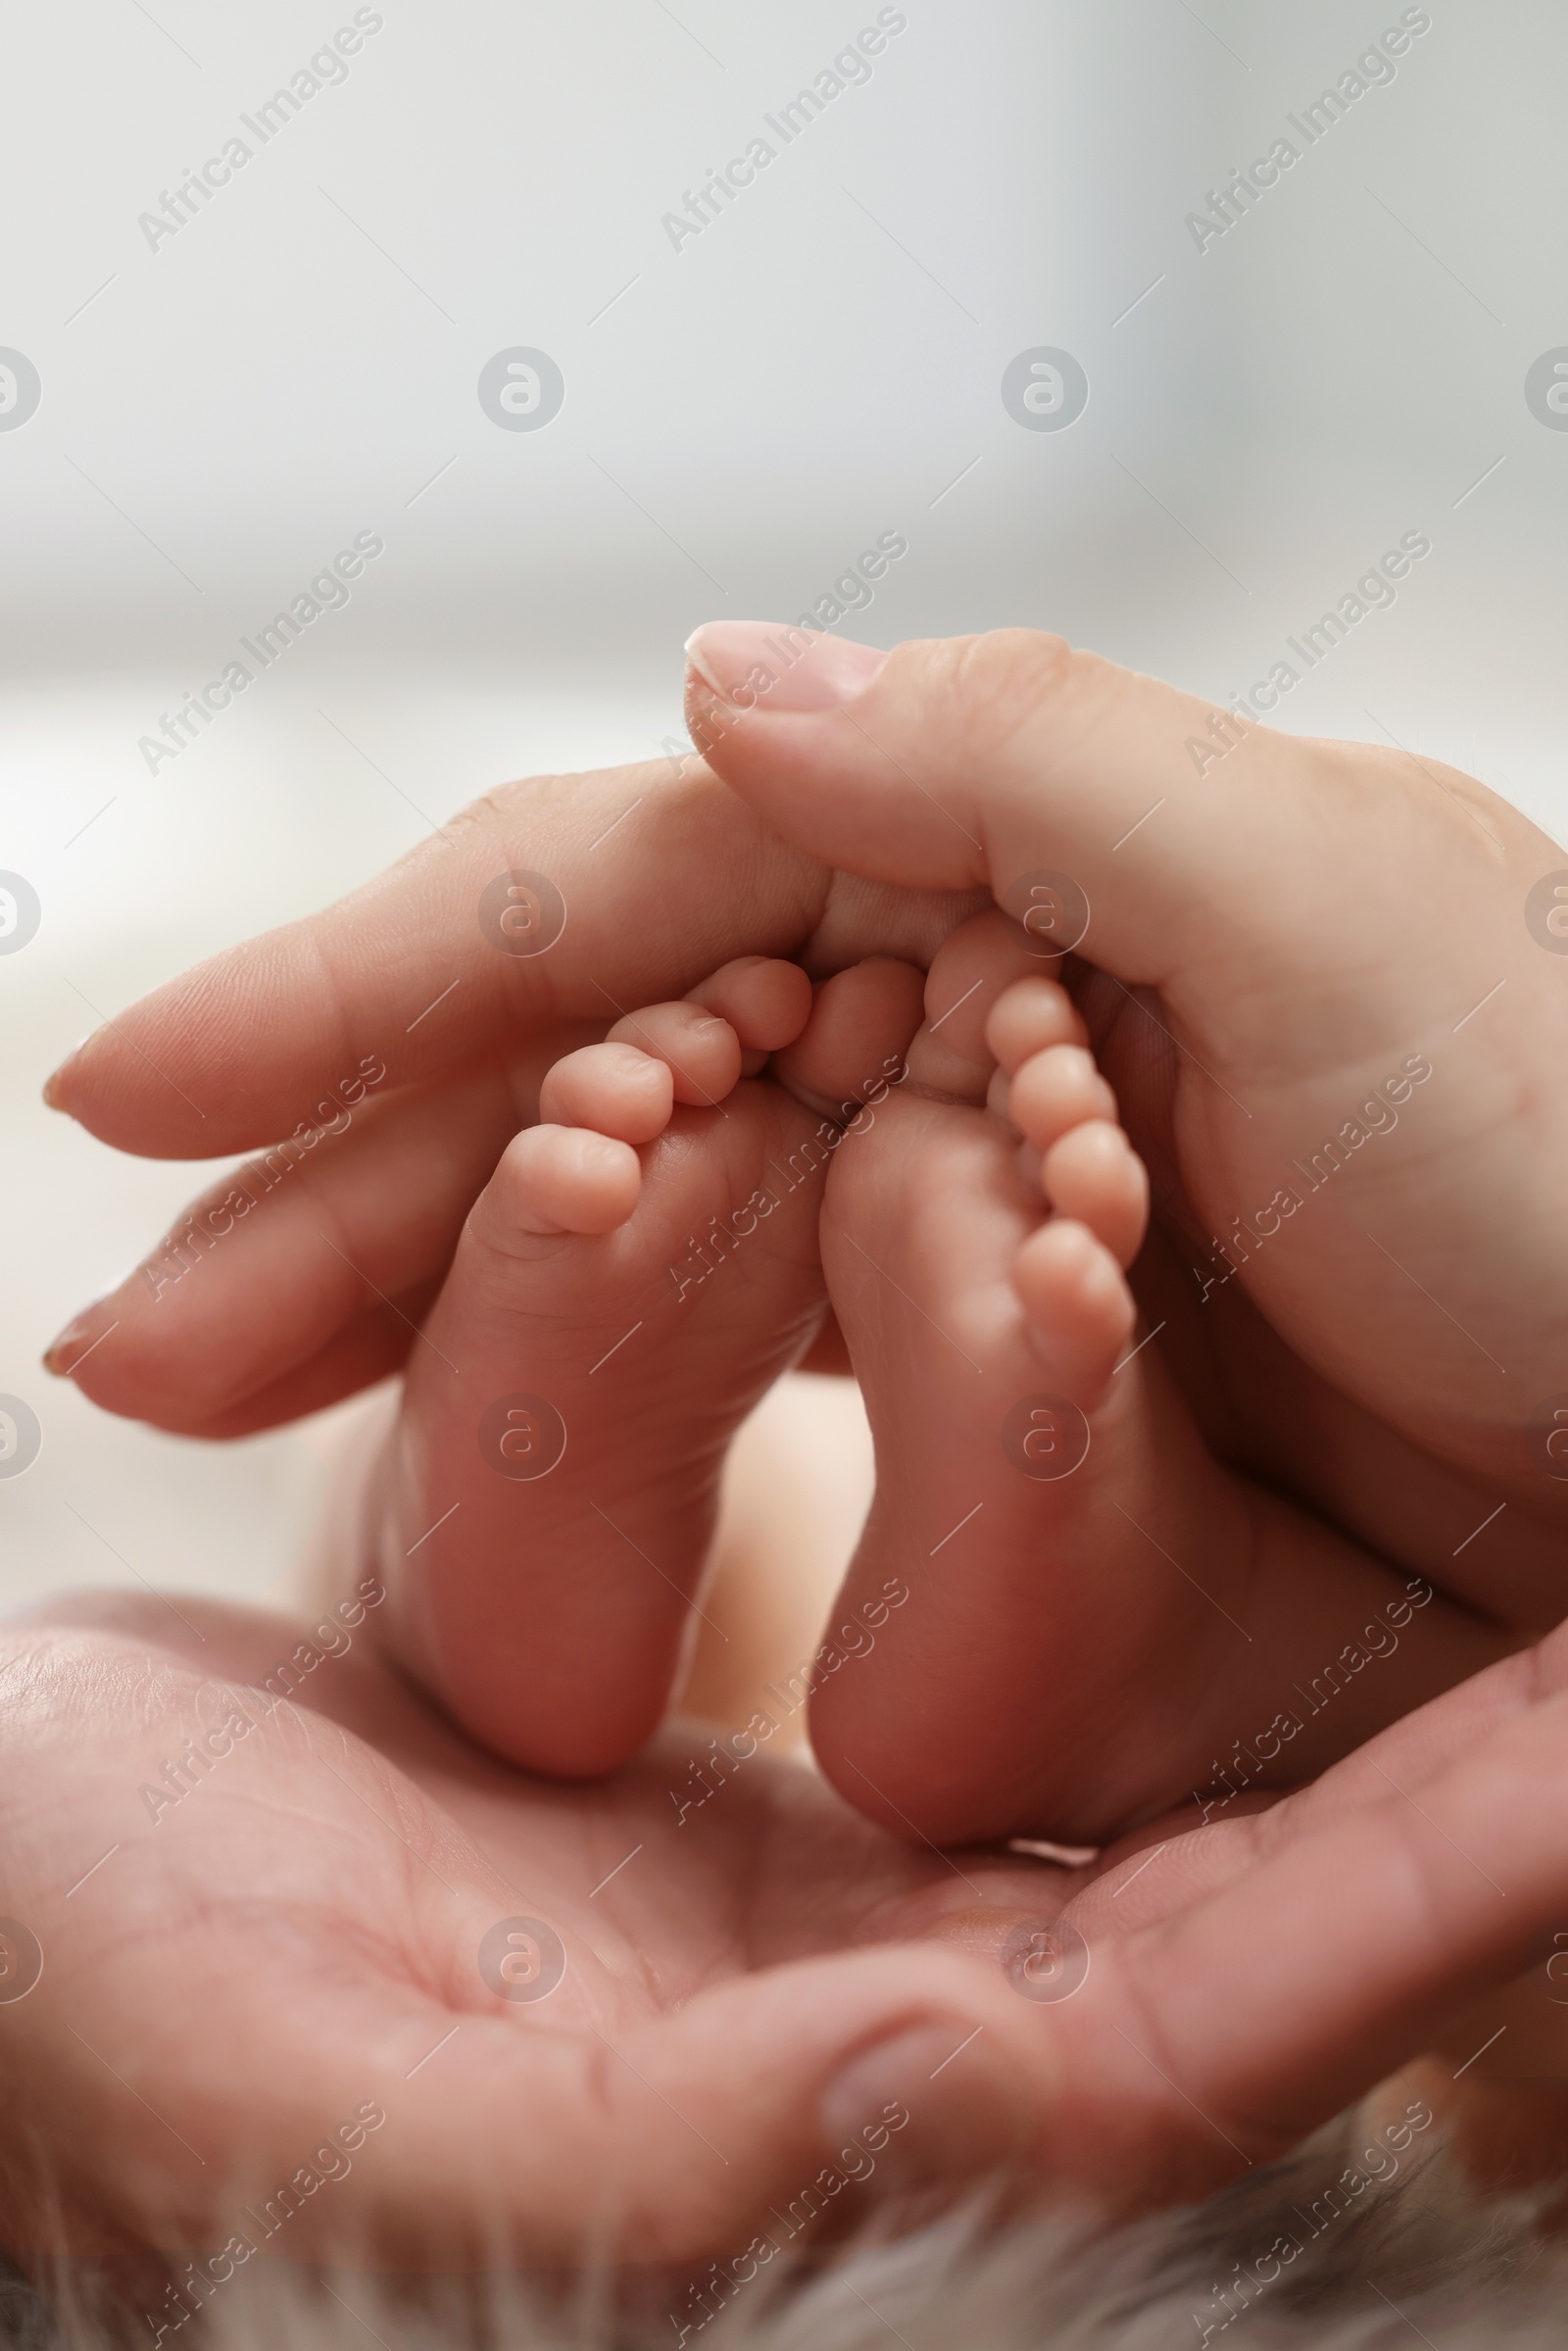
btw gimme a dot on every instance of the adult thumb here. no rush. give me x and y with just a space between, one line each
1104 810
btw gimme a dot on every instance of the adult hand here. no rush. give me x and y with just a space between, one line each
269 2013
398 1042
1241 1023
1229 995
1320 988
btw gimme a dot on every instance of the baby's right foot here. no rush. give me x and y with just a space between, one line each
642 1266
1092 1609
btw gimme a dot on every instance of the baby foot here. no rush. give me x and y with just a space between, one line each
1095 1606
642 1266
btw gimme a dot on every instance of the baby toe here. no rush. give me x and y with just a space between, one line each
1030 1015
1055 1091
1094 1175
701 1051
765 1000
615 1089
1079 1309
852 1046
975 967
558 1179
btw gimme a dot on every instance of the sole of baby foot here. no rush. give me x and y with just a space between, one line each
1039 1650
643 1265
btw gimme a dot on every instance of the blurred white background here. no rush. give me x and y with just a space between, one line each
223 407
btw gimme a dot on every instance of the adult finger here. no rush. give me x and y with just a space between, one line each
1101 808
370 1346
560 897
387 2130
1205 2045
286 1283
1341 1955
1204 1848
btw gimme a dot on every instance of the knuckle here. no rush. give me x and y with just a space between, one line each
494 813
1012 679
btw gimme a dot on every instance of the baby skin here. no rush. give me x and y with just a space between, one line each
641 1267
1097 1609
1099 1605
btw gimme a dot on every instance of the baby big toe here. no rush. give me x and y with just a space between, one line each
555 1179
699 1050
615 1089
765 1000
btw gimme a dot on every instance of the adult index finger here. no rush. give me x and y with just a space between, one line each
561 897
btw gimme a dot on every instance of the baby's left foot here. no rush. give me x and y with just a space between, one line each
1077 1607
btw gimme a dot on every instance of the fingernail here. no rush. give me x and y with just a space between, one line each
779 668
64 1351
934 2101
54 1086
